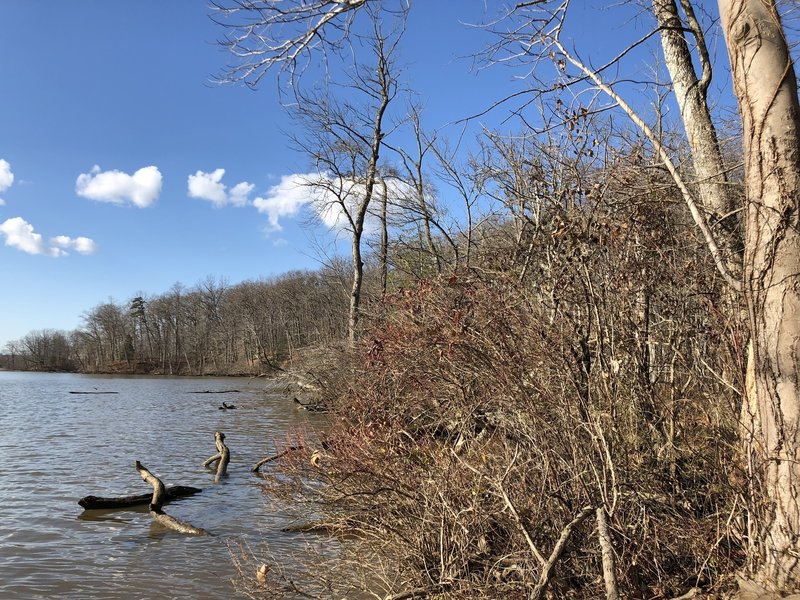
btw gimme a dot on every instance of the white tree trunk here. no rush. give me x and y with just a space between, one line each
765 85
691 97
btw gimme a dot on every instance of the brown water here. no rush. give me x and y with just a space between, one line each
56 447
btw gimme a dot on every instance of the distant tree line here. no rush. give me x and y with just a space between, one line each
211 328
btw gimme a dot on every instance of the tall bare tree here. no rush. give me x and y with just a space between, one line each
344 135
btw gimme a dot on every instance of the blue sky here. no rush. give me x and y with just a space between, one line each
113 142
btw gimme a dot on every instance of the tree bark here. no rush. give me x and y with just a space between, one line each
384 251
384 83
765 85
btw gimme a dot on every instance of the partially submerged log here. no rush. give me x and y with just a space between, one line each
94 392
171 493
156 502
269 459
222 457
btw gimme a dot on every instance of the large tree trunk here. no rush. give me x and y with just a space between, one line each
690 93
765 85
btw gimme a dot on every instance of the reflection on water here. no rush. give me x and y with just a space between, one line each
57 447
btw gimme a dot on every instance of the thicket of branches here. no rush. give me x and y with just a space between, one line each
558 416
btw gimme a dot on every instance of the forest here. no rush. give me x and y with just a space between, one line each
578 379
213 328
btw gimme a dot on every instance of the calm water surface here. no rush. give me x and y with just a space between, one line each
56 447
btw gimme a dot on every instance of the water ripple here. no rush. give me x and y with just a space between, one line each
58 447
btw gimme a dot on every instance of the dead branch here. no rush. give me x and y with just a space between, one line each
558 550
269 459
222 457
159 494
607 550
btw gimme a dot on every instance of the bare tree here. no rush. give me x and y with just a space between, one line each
344 139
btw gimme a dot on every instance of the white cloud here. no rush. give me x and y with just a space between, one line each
20 234
81 244
209 186
142 188
328 198
6 176
290 195
240 192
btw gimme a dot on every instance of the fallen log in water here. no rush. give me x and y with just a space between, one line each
94 392
222 457
159 516
171 493
269 459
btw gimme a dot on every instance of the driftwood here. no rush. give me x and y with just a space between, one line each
159 494
94 392
222 457
269 459
226 406
171 493
217 392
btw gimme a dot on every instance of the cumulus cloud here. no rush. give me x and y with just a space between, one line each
6 178
20 234
209 186
142 188
288 197
82 245
331 199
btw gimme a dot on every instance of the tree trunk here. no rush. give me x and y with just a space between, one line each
690 93
765 85
384 83
384 238
355 291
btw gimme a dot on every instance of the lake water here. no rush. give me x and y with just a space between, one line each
56 447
